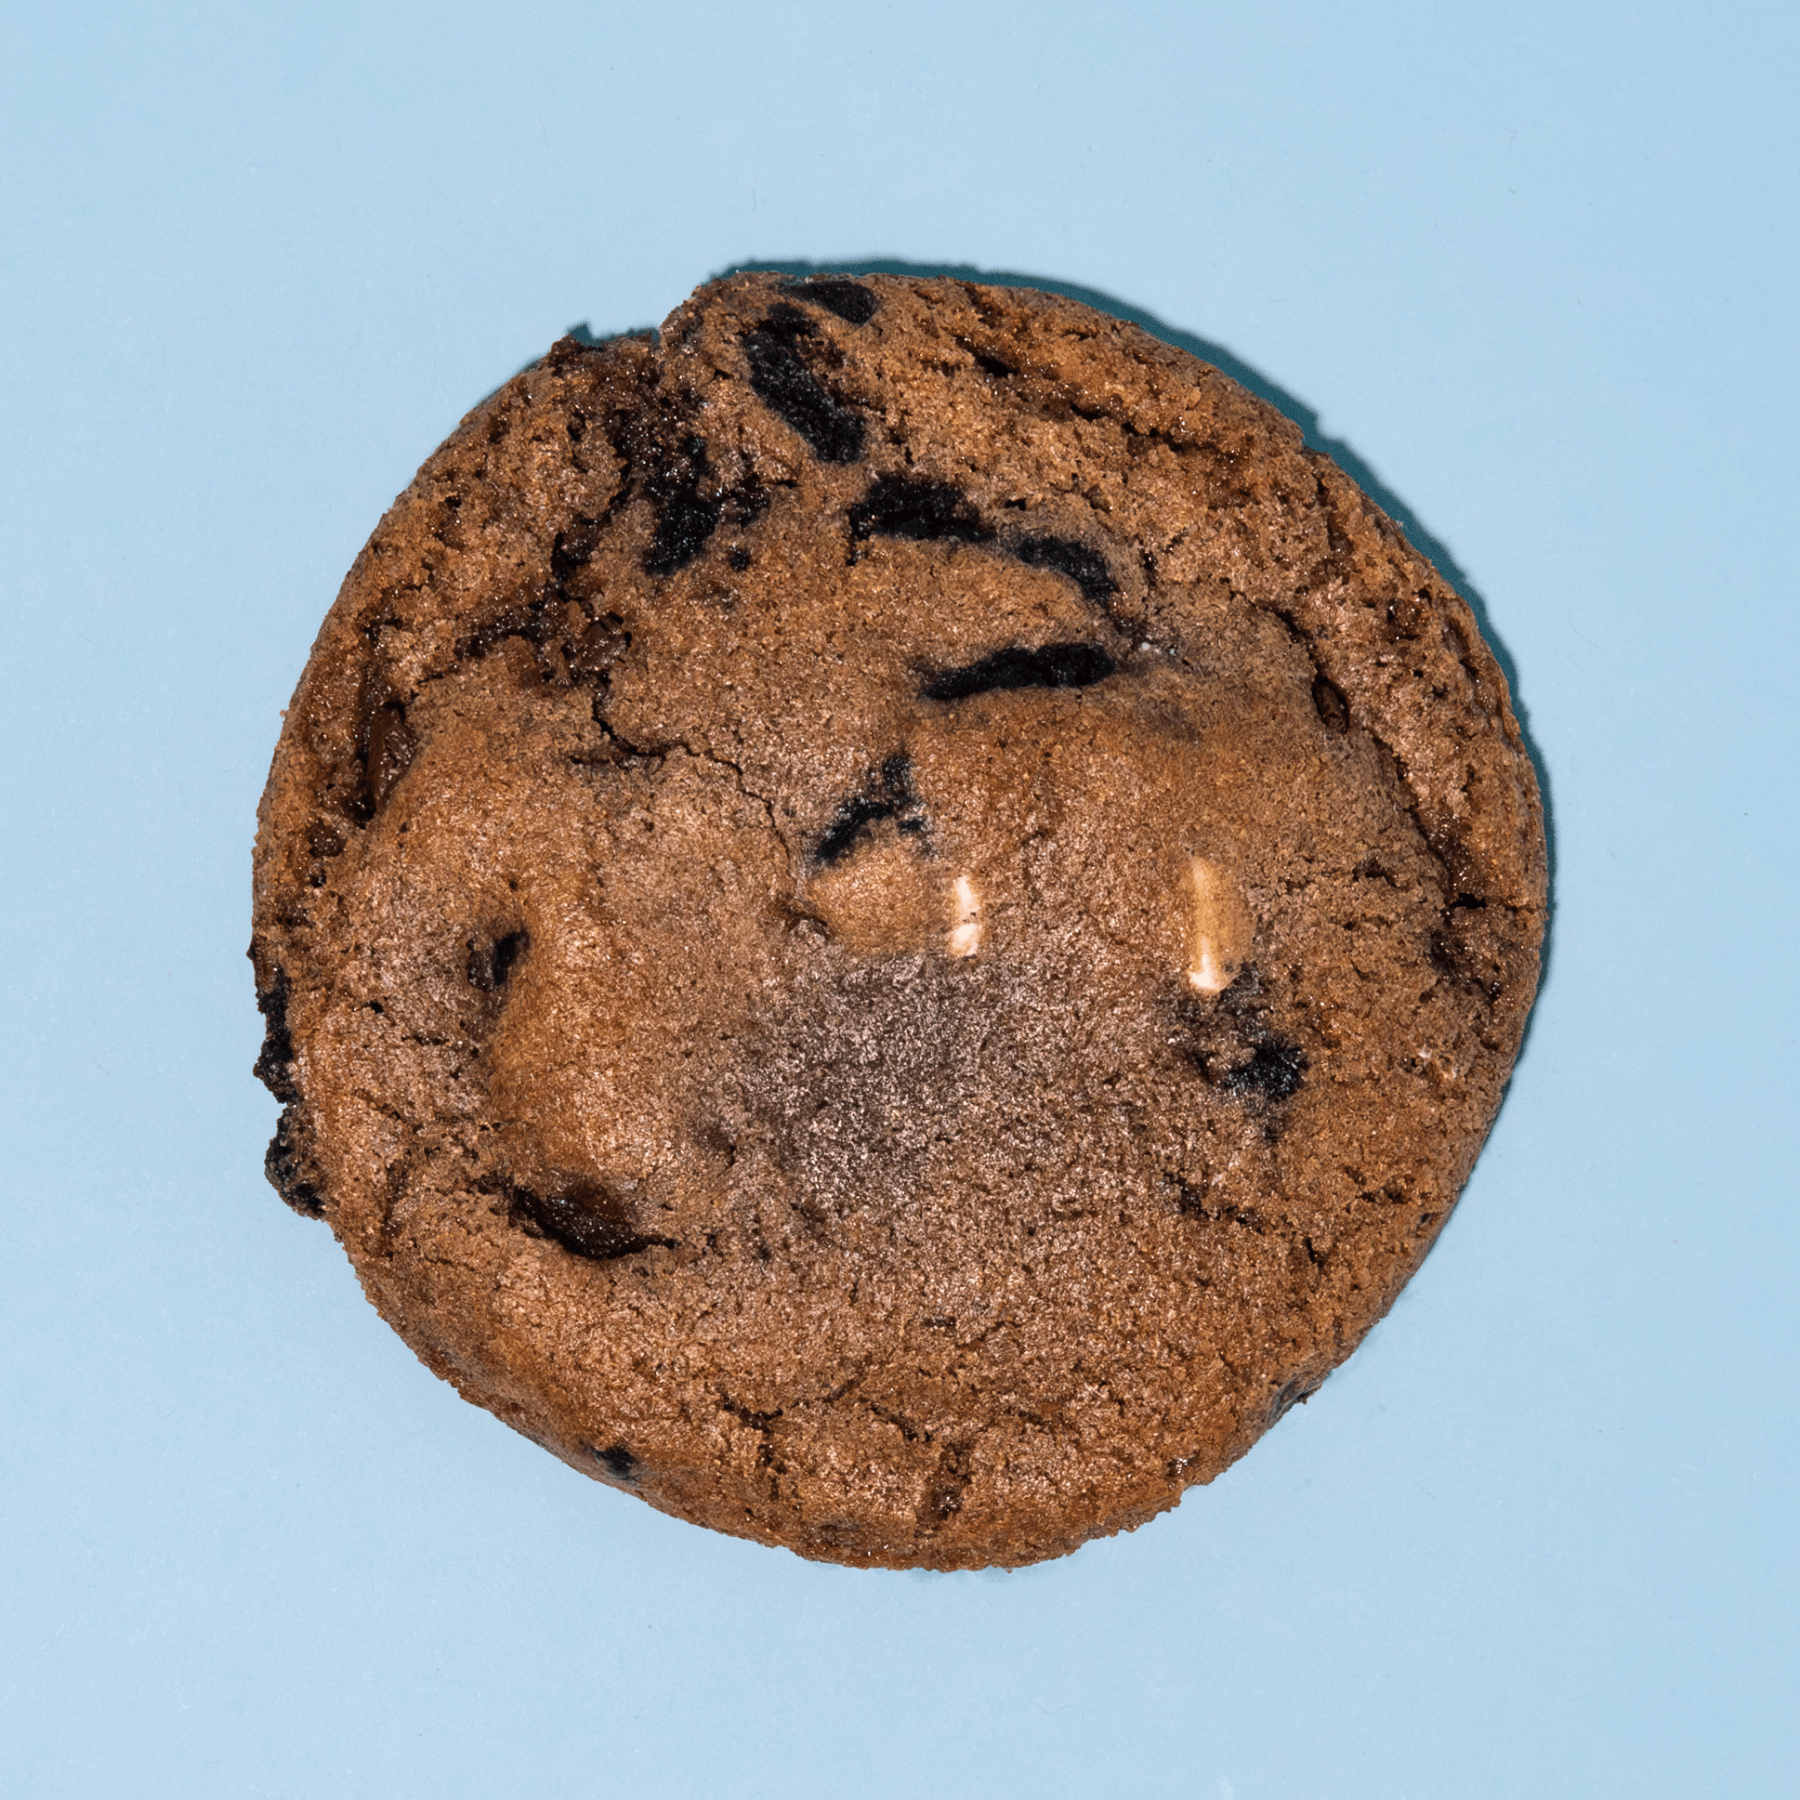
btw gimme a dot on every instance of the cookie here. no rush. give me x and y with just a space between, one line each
891 919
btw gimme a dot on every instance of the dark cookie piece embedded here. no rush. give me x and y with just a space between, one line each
537 621
1228 1040
893 798
274 1063
491 959
385 748
585 1218
850 300
784 384
591 653
1329 702
1053 666
686 518
281 1164
901 506
1086 568
1275 1071
618 1462
574 548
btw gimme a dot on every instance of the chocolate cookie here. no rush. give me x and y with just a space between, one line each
892 919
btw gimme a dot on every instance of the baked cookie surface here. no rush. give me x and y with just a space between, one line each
892 920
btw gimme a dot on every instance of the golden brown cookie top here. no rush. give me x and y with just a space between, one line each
891 920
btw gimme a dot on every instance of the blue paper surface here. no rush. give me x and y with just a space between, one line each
1529 271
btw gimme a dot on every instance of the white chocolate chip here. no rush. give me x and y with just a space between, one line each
965 913
1220 928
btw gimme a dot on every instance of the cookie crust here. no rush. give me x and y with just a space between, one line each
893 919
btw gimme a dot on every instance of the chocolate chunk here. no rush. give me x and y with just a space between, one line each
275 1061
901 506
1086 568
850 300
281 1165
585 1218
590 655
491 960
618 1462
392 746
686 522
784 384
893 798
1329 699
686 518
1053 666
1229 1041
574 548
1275 1071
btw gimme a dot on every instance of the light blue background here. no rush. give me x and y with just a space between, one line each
1531 265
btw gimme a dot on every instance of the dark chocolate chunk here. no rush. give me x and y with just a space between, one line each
618 1462
1053 666
507 951
1275 1071
1228 1040
902 506
385 747
491 960
574 548
1333 708
686 518
392 746
585 1218
536 621
784 384
686 522
591 653
281 1164
891 798
1086 568
850 300
274 1064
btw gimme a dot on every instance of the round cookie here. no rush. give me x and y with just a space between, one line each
892 919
